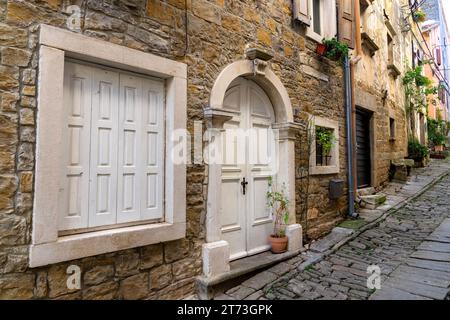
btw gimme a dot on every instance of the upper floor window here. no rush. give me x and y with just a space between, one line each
316 9
319 16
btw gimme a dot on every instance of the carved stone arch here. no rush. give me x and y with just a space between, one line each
267 80
216 250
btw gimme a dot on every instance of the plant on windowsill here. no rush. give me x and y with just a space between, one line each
278 203
419 16
325 141
335 49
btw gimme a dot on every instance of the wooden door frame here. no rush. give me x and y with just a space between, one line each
371 115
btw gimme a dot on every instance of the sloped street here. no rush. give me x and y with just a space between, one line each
411 246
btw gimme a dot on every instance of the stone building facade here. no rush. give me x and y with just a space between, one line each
194 48
379 90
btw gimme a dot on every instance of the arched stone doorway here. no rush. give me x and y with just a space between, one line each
217 250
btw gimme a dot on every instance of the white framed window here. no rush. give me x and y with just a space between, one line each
113 166
322 14
105 177
321 162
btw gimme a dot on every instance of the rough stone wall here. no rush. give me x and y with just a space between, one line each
374 79
217 33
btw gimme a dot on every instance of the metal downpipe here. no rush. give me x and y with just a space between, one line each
349 135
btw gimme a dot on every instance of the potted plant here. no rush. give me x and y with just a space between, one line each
321 49
278 203
419 16
436 129
417 151
325 140
335 49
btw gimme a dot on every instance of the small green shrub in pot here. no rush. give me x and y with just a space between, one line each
335 49
325 138
416 150
278 202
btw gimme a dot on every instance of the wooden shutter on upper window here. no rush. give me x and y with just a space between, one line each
438 56
346 22
301 11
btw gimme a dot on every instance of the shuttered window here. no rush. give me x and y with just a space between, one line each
319 16
113 171
346 22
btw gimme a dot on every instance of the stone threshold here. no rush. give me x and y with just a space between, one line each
240 269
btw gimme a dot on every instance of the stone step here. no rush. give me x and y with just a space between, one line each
372 201
366 191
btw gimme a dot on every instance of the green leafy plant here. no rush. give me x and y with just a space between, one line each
417 88
416 150
415 76
419 16
278 202
325 138
335 49
436 130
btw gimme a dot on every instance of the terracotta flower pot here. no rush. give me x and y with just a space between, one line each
321 49
278 245
439 148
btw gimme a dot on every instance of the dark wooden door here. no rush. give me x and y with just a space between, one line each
363 161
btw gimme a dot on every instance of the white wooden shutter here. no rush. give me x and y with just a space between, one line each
302 12
74 191
152 186
130 134
104 134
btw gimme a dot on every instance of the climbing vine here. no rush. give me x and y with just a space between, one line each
418 89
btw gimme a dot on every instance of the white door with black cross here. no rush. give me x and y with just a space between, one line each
249 157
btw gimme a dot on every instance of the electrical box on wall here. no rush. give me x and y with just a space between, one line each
336 189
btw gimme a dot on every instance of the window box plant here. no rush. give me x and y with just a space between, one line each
325 141
335 50
419 16
278 203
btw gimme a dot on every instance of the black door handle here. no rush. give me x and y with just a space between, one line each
244 185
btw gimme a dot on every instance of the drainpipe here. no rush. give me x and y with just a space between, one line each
354 62
349 67
349 135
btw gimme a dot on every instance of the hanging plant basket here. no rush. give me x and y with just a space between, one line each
321 49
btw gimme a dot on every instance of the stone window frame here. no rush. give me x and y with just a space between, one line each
328 26
334 167
47 247
392 128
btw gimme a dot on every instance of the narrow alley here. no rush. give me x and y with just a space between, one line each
411 247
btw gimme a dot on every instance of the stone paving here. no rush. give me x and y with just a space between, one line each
411 245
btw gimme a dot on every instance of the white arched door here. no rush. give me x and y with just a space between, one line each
249 155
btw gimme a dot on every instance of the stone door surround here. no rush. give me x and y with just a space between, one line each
216 251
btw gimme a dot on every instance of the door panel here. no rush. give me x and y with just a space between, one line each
246 221
363 163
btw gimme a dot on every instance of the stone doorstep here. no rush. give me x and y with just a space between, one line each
372 201
365 191
208 287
